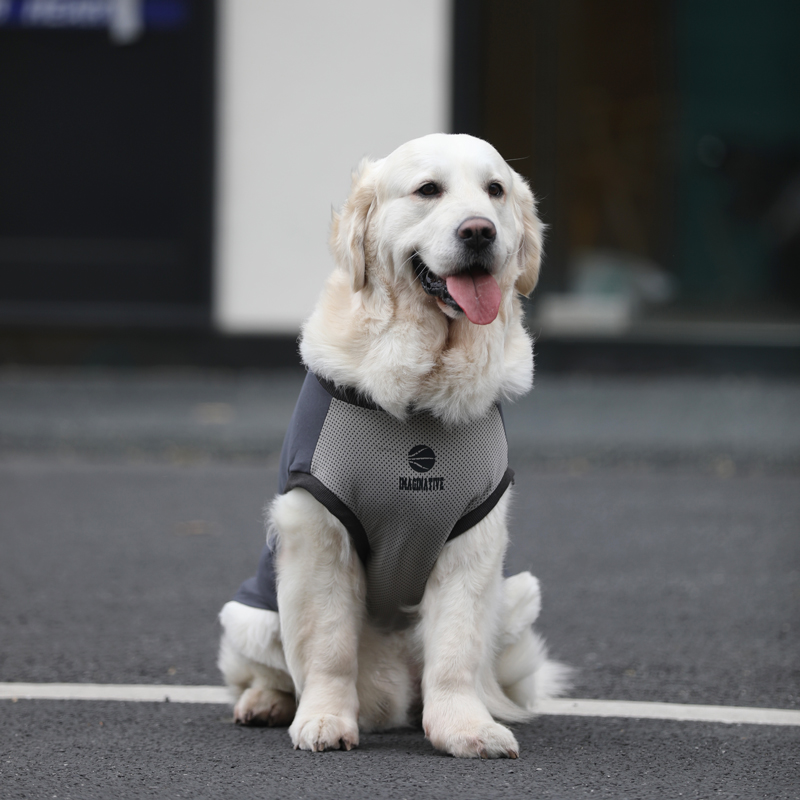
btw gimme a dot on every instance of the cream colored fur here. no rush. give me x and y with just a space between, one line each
471 657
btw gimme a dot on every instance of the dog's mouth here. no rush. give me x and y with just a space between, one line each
433 284
473 291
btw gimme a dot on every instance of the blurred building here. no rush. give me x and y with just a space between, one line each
173 163
182 173
663 138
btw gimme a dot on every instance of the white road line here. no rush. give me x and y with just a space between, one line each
675 711
575 708
142 693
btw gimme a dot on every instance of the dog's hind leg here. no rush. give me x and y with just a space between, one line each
253 665
321 596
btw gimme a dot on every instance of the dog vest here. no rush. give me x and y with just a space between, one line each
402 489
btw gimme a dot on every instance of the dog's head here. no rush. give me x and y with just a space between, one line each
446 215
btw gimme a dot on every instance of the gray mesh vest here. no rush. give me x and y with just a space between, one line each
402 489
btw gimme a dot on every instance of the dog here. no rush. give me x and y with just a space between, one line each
380 599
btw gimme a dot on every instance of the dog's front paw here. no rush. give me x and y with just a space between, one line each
324 732
486 740
264 707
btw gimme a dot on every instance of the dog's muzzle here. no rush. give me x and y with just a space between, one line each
473 291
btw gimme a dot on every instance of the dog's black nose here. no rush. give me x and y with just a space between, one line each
477 233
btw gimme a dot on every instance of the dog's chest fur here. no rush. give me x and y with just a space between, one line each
397 350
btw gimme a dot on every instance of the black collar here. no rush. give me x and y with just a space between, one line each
347 394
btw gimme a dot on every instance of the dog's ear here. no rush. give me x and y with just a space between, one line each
349 227
530 251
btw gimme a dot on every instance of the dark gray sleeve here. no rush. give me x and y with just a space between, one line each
296 454
304 429
260 591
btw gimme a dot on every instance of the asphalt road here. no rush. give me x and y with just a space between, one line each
661 517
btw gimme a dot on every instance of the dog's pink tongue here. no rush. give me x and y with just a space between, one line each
477 293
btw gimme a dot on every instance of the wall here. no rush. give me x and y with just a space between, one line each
305 90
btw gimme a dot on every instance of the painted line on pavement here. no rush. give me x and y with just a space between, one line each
681 712
145 693
142 693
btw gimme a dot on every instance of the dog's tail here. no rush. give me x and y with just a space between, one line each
523 673
525 676
501 706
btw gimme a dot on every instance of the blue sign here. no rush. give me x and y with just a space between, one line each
155 14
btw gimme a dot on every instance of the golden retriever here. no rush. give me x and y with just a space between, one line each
420 320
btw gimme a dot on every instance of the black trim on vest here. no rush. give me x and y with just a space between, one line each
319 491
347 394
472 518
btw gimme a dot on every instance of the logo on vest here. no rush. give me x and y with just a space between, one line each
421 459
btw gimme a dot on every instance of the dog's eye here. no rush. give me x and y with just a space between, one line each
429 190
495 190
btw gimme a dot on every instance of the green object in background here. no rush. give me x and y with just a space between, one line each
738 90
